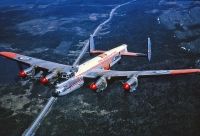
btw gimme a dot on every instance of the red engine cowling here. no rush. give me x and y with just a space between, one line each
44 80
93 86
27 72
22 74
99 86
49 78
131 84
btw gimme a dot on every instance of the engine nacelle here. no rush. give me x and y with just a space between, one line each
49 78
100 85
131 85
27 72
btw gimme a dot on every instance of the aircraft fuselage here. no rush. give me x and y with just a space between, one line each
102 61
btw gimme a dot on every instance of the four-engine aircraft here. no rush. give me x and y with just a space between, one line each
73 77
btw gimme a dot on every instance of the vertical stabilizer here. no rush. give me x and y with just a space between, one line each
149 49
92 47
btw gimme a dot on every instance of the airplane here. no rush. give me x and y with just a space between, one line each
97 69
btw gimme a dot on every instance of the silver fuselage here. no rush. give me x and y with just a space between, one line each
102 61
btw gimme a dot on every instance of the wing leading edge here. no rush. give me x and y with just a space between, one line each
131 84
35 62
128 74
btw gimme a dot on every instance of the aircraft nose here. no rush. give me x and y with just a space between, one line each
58 92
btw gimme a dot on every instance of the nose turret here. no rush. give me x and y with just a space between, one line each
68 86
58 92
55 94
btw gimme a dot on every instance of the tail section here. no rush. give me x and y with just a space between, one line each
133 54
126 53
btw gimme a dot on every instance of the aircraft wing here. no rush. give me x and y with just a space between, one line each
43 64
112 73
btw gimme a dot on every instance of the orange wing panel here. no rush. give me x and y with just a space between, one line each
184 71
10 55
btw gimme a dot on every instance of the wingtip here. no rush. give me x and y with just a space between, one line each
10 55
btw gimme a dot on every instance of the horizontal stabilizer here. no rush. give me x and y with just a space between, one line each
97 52
133 54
